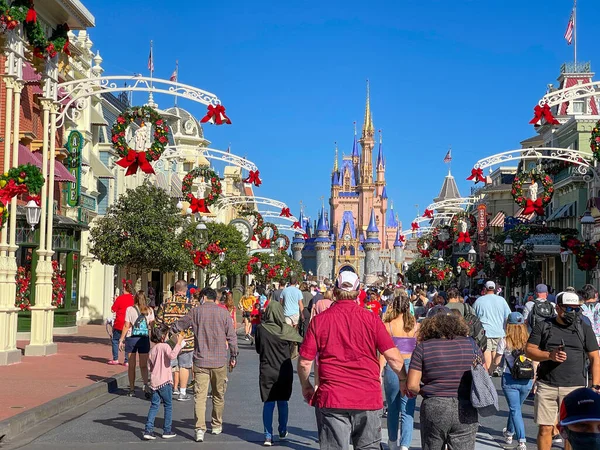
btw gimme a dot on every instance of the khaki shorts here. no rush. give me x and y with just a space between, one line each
292 320
547 402
492 344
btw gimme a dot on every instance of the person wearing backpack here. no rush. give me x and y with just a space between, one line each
561 345
135 340
539 309
476 330
517 378
591 308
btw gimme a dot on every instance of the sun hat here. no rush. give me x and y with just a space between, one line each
581 405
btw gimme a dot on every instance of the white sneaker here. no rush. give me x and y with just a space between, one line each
200 435
393 445
508 437
521 446
216 431
403 448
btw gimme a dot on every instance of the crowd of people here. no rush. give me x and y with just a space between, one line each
367 344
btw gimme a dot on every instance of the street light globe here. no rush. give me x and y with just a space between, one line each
222 256
587 225
508 246
259 264
179 205
33 213
564 256
201 226
458 269
492 264
472 255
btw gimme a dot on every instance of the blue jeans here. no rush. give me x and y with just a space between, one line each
399 407
166 394
115 345
268 409
515 391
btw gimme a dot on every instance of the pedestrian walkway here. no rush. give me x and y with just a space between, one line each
81 361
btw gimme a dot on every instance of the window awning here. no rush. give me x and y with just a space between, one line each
97 119
176 186
563 212
61 173
98 167
161 181
498 220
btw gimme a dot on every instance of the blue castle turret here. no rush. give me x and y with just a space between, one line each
323 246
298 241
372 246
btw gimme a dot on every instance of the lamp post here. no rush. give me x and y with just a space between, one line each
564 257
587 228
32 213
471 258
509 247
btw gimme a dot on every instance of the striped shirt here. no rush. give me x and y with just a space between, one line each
445 366
213 330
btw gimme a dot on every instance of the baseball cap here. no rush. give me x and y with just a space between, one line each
490 285
541 289
439 309
581 405
516 318
348 281
568 298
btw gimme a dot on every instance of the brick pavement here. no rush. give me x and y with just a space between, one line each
81 361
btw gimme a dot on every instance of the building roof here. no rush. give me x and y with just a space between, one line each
347 165
384 193
355 145
391 221
372 228
397 241
348 218
322 224
449 189
336 179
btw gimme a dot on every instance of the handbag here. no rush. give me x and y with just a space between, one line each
484 397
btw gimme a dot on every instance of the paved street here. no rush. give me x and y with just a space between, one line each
117 421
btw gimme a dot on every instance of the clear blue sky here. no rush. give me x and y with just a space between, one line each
292 77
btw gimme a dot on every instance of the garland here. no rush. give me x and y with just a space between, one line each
595 141
130 158
586 255
201 205
23 11
507 266
59 285
203 258
465 265
464 236
23 279
18 180
442 274
529 205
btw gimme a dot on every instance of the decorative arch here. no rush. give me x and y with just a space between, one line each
346 268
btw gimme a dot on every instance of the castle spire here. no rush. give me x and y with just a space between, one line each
368 128
335 162
354 146
380 158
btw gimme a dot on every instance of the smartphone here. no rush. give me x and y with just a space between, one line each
561 347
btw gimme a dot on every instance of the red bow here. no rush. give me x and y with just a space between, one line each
543 112
428 213
464 236
135 160
414 226
305 236
265 243
125 282
297 225
254 177
10 190
198 205
31 15
285 212
35 198
402 238
477 175
216 115
534 206
200 259
192 291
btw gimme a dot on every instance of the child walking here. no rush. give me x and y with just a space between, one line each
161 380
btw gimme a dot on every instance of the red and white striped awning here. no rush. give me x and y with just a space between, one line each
520 215
498 220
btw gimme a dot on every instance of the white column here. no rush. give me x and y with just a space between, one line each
9 354
42 314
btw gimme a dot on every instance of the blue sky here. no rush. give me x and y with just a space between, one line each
292 77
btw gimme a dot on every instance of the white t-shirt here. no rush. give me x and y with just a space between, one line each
131 315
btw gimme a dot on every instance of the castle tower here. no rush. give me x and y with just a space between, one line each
380 168
323 247
391 226
298 240
398 252
336 179
367 142
372 246
355 158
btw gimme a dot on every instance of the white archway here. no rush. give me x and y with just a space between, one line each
577 92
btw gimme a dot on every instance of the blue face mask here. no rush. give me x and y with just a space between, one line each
583 441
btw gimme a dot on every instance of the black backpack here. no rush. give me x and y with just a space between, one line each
522 368
540 312
476 330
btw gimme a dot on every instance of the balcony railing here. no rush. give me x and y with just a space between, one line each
578 67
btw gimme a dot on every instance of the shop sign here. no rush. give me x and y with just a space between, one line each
74 146
543 239
88 202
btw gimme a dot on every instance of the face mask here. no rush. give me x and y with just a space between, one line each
569 317
583 441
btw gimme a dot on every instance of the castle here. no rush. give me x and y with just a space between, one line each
360 232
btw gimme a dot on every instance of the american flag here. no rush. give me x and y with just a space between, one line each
570 30
448 157
173 76
151 60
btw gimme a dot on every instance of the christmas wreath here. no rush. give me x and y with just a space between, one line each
424 245
131 159
23 11
595 141
586 255
531 206
286 242
258 219
442 237
461 235
201 205
18 180
203 258
266 241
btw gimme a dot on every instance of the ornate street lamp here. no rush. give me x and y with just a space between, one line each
509 246
524 265
201 227
222 256
440 262
472 255
458 269
587 226
259 264
492 264
33 213
564 256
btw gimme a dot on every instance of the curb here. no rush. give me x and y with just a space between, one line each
20 423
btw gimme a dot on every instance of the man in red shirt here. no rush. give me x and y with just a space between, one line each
347 339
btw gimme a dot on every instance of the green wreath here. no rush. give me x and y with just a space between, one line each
273 227
286 243
425 239
22 11
200 205
18 180
119 141
463 215
258 219
595 141
530 206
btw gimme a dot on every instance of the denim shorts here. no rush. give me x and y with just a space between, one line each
137 344
185 360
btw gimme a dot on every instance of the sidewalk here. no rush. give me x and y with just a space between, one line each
81 361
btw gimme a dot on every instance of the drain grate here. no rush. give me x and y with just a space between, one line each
17 407
72 386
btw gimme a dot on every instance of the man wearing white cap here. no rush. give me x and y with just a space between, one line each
561 345
492 311
347 339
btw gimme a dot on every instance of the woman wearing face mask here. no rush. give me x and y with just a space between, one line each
580 419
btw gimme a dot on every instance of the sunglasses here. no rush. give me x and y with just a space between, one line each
570 309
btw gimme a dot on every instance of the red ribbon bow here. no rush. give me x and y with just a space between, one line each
414 226
198 205
10 190
265 243
135 160
200 259
477 175
534 206
297 225
124 281
35 198
464 236
216 115
543 112
254 177
428 213
305 236
402 238
285 212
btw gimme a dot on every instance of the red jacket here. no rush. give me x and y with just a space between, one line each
119 307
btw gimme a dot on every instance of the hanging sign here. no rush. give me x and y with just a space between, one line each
481 228
74 146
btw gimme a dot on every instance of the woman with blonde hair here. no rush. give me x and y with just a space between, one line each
135 339
246 305
403 327
517 378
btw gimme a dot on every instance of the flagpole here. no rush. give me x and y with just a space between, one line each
151 65
575 34
450 162
176 79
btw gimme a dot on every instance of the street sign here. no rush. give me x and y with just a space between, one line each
74 146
